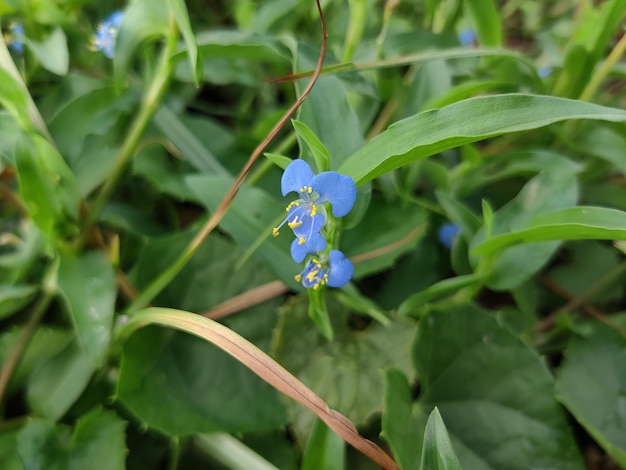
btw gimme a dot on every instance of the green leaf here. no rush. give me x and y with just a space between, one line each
9 457
97 439
87 285
431 132
48 187
205 389
15 297
319 152
574 223
58 381
52 52
325 107
546 192
143 21
324 449
591 384
400 427
252 214
181 15
14 98
437 451
494 393
486 17
344 372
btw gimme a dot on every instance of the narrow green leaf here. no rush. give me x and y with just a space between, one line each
590 383
319 152
437 451
143 21
486 17
431 132
181 15
280 161
14 297
13 97
574 223
52 52
324 449
87 284
400 425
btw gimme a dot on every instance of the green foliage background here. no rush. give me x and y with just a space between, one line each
500 348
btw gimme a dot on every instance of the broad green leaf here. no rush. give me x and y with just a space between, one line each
235 45
606 144
143 21
400 426
48 187
45 343
574 223
546 192
52 52
181 15
252 214
591 383
344 372
87 285
431 132
205 389
58 381
494 393
319 152
324 449
437 451
15 297
387 231
467 90
97 440
486 17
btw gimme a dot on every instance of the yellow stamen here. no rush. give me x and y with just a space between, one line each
301 241
275 232
298 277
295 223
313 210
312 276
309 189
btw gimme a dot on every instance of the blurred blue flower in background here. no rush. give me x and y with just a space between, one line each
447 232
106 34
467 37
335 270
16 37
544 71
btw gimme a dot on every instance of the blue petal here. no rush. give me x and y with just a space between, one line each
310 225
297 175
340 269
313 245
115 19
337 189
446 234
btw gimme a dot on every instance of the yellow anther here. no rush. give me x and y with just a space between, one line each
295 223
309 189
298 277
312 276
301 241
315 286
313 210
275 231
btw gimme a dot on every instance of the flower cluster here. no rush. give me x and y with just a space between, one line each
307 218
106 34
16 37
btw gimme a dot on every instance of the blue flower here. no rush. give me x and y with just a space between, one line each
106 34
544 71
306 216
16 38
467 37
299 251
334 270
447 232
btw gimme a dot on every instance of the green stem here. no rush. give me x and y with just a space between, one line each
151 101
17 352
174 453
604 69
